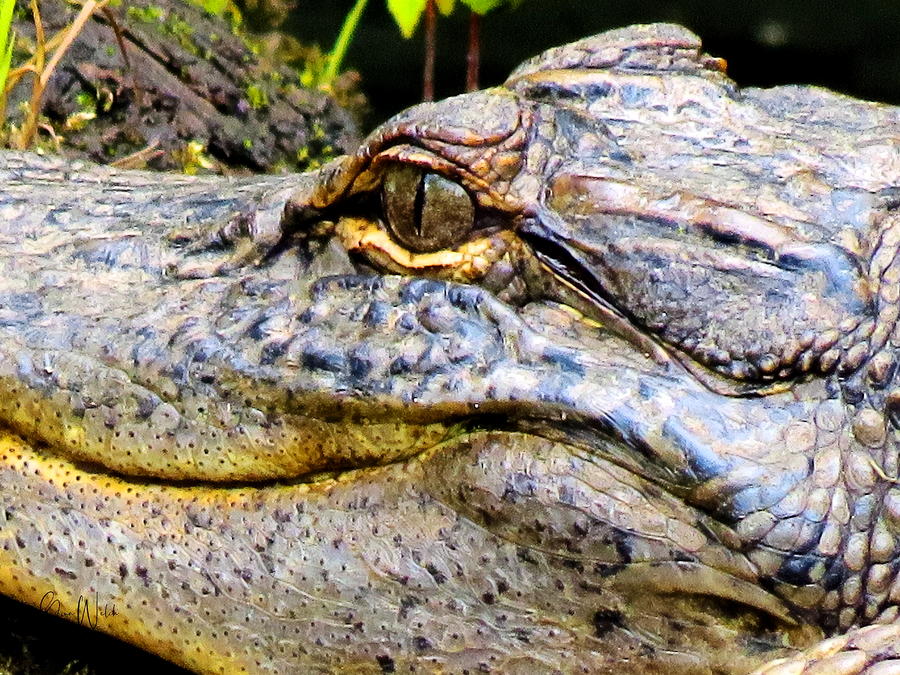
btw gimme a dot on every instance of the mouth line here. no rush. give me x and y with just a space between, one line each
494 424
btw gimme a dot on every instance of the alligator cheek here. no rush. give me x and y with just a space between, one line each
747 297
629 547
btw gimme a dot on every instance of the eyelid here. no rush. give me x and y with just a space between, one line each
410 155
432 163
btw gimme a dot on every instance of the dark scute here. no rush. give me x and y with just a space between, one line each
795 570
605 620
417 289
316 358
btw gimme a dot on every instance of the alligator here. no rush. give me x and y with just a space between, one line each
594 371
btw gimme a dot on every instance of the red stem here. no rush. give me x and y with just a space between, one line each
473 55
430 46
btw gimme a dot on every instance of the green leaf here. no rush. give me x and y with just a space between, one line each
482 6
6 13
406 13
446 7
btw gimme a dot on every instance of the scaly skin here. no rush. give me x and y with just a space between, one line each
639 416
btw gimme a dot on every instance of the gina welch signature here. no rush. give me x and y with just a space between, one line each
86 612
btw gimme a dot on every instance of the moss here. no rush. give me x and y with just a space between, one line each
85 101
318 131
314 64
214 7
148 14
193 158
182 31
169 22
257 96
21 12
310 157
225 9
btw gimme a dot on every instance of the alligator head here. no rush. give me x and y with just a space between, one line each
593 369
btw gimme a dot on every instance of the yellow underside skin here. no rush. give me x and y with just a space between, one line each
218 579
97 596
348 573
174 570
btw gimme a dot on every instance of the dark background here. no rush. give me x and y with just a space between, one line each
851 46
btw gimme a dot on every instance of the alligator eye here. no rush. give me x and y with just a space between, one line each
425 211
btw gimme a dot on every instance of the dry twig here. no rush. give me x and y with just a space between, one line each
44 72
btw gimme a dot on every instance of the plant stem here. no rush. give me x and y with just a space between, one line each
473 55
42 76
29 127
430 47
348 29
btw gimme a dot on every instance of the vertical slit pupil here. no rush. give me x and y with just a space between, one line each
419 205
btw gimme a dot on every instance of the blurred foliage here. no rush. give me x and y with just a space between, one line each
408 12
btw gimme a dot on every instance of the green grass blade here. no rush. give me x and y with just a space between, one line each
5 60
336 57
6 13
6 40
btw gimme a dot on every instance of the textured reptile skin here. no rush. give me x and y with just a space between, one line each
638 415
